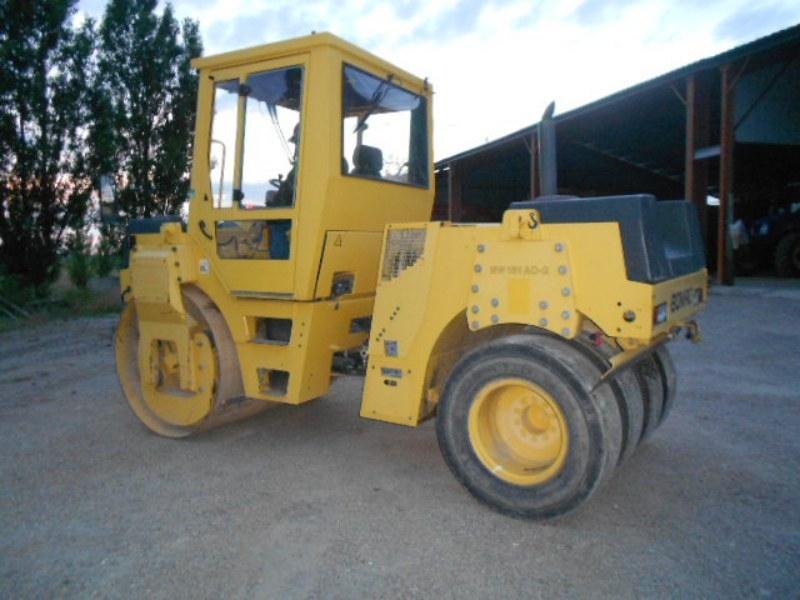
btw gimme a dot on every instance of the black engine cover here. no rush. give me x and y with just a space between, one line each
661 239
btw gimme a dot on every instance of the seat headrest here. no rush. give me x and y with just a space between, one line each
367 160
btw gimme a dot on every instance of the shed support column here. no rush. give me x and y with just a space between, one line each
454 187
534 147
727 141
697 134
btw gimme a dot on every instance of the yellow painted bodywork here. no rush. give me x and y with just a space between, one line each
320 328
472 283
432 290
337 227
350 254
327 201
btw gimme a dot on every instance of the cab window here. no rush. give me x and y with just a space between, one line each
384 130
271 140
270 158
222 150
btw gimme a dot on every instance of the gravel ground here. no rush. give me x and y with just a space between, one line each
312 501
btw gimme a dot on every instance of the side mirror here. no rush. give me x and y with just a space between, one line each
109 211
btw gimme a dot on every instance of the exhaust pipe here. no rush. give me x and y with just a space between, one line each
548 172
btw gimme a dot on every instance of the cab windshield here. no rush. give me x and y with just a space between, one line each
384 130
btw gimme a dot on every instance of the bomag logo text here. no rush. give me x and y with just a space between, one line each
685 298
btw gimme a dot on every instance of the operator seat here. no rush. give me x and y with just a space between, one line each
368 161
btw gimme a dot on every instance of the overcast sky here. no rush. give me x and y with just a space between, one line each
495 65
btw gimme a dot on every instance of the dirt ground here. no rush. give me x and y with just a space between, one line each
314 502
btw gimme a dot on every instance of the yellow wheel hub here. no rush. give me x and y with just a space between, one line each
518 432
162 390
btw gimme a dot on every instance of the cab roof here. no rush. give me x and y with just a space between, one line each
299 45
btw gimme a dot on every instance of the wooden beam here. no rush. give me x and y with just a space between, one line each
454 192
727 141
697 134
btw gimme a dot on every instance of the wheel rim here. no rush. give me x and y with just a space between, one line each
151 383
163 394
148 373
127 354
518 432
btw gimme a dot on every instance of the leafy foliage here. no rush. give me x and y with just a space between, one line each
78 103
103 263
79 269
143 106
78 263
14 289
44 176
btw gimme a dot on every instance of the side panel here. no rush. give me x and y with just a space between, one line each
350 259
319 329
418 293
523 282
452 282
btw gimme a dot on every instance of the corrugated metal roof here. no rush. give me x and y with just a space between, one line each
757 46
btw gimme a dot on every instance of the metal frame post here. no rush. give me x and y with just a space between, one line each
697 135
727 141
454 192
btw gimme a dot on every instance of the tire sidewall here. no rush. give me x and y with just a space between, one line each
583 463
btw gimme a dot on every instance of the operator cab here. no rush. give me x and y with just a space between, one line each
295 141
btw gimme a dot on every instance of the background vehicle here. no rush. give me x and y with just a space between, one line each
537 342
775 241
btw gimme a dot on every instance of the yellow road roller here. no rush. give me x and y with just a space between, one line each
538 343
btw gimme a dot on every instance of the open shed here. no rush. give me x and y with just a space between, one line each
723 132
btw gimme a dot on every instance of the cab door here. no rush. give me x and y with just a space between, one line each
249 214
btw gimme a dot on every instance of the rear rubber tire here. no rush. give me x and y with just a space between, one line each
669 380
626 389
591 415
649 379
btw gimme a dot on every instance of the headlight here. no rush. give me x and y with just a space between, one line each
660 314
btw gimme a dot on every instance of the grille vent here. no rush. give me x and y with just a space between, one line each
403 248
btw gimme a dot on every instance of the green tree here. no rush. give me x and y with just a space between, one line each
78 263
44 182
144 106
